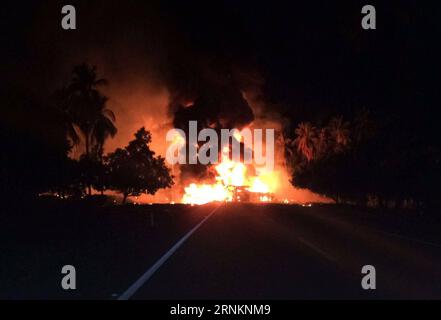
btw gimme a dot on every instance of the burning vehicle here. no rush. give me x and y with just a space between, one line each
233 183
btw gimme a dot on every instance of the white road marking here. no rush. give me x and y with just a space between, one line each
149 273
317 249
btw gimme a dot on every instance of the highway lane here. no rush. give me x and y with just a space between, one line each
247 251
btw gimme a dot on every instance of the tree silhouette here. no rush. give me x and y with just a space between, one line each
306 139
339 132
86 108
135 169
322 143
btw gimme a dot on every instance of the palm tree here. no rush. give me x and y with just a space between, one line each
306 139
322 143
61 102
339 131
86 108
103 127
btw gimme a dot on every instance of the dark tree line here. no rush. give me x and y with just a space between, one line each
386 158
38 136
89 120
373 159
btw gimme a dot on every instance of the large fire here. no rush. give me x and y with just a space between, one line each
233 183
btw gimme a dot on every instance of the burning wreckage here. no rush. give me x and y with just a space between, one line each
243 173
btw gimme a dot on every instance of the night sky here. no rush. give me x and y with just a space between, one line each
305 61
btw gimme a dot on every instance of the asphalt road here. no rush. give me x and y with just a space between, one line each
241 251
277 252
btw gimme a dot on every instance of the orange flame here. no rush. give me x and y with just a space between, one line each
231 175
